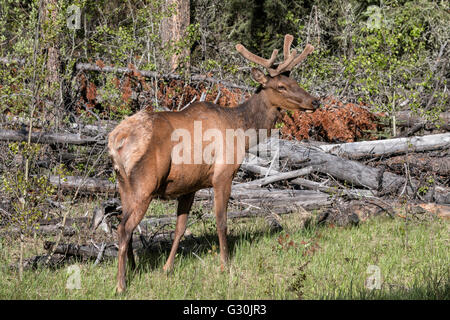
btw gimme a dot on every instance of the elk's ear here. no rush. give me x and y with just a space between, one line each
259 76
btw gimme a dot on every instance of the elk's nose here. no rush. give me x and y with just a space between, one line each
316 103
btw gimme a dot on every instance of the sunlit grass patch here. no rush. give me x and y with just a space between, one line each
298 263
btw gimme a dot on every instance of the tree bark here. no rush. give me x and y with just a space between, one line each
153 74
310 184
409 119
53 87
276 177
47 230
351 171
173 29
49 138
422 163
50 13
90 185
358 150
145 73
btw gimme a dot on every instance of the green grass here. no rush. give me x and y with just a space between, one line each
313 263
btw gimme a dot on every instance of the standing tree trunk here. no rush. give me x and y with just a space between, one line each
52 87
173 30
50 13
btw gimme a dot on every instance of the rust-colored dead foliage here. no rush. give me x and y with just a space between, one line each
126 90
88 95
334 122
100 63
176 94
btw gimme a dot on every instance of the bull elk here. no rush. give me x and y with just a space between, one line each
142 152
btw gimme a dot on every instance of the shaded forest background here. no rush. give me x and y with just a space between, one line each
371 58
390 55
80 66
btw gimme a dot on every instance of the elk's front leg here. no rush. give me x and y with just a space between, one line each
221 196
184 206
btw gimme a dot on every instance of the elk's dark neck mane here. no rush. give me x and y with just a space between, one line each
256 113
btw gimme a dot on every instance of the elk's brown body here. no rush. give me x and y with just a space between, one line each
141 149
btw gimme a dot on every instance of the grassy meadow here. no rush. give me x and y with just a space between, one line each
313 262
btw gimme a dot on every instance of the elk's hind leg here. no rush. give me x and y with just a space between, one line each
129 222
222 192
130 254
184 206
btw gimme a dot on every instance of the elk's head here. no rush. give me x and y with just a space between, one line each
282 91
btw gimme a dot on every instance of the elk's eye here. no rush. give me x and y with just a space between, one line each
281 87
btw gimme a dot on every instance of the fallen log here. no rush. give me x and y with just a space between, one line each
252 159
103 128
83 184
64 253
93 250
279 206
411 131
153 74
237 193
363 149
47 230
310 184
7 61
276 177
48 138
440 194
420 163
351 171
410 119
343 169
40 261
250 208
144 73
68 222
159 240
86 250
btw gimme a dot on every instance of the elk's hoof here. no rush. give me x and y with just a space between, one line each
224 267
168 269
120 290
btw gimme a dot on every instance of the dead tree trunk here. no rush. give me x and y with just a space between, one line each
354 172
409 119
153 74
310 184
357 150
90 185
50 13
49 138
173 29
53 77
